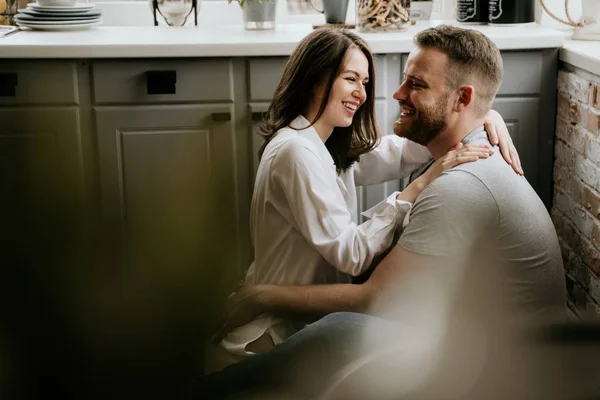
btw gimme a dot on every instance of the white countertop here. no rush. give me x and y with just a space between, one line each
190 41
582 54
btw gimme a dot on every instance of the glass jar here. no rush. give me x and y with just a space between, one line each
382 15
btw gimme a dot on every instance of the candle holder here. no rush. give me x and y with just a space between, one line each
174 12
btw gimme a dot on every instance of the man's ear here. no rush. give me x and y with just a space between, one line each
466 96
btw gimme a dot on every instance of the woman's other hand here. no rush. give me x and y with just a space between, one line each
241 307
499 135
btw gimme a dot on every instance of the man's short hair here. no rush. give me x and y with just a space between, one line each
473 59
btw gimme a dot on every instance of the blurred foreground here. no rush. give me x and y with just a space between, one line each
100 310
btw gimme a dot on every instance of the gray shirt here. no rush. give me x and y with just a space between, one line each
485 221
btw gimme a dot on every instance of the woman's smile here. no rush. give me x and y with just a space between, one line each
350 107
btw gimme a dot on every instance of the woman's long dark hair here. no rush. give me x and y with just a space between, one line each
318 56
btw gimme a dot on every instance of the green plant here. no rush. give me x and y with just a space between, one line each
243 1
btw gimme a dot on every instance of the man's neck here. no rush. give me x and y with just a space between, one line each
451 136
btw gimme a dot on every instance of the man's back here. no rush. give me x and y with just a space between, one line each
490 221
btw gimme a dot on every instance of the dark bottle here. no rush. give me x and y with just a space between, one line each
472 11
511 11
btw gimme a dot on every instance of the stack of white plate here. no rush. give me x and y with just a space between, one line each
59 17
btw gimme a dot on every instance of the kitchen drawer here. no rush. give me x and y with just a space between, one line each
38 82
162 81
265 73
522 72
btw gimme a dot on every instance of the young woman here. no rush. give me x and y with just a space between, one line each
321 141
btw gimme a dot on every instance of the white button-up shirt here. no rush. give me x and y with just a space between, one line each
303 217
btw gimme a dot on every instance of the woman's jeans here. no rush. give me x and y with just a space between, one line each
301 366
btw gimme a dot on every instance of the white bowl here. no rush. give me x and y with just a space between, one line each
56 3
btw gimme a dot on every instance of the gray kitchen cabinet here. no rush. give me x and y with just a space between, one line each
172 156
517 114
256 113
164 80
156 153
168 171
525 100
40 166
40 135
28 82
41 155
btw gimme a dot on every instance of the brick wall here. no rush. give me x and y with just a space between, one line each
576 205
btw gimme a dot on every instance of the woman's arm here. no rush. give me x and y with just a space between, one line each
393 159
314 197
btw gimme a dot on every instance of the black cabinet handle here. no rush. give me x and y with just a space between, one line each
258 115
221 117
161 82
8 84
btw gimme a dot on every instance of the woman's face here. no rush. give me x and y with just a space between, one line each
348 92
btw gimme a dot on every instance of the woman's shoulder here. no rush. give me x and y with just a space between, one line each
288 145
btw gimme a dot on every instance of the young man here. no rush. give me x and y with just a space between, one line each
478 239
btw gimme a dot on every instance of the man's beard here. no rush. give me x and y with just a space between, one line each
427 126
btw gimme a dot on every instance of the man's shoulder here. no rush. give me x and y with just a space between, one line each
484 175
457 183
488 169
456 193
449 214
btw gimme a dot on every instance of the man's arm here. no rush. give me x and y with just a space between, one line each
310 302
306 303
294 302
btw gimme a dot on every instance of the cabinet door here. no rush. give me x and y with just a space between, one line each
521 117
168 180
40 170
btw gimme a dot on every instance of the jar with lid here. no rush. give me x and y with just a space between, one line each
472 11
382 15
